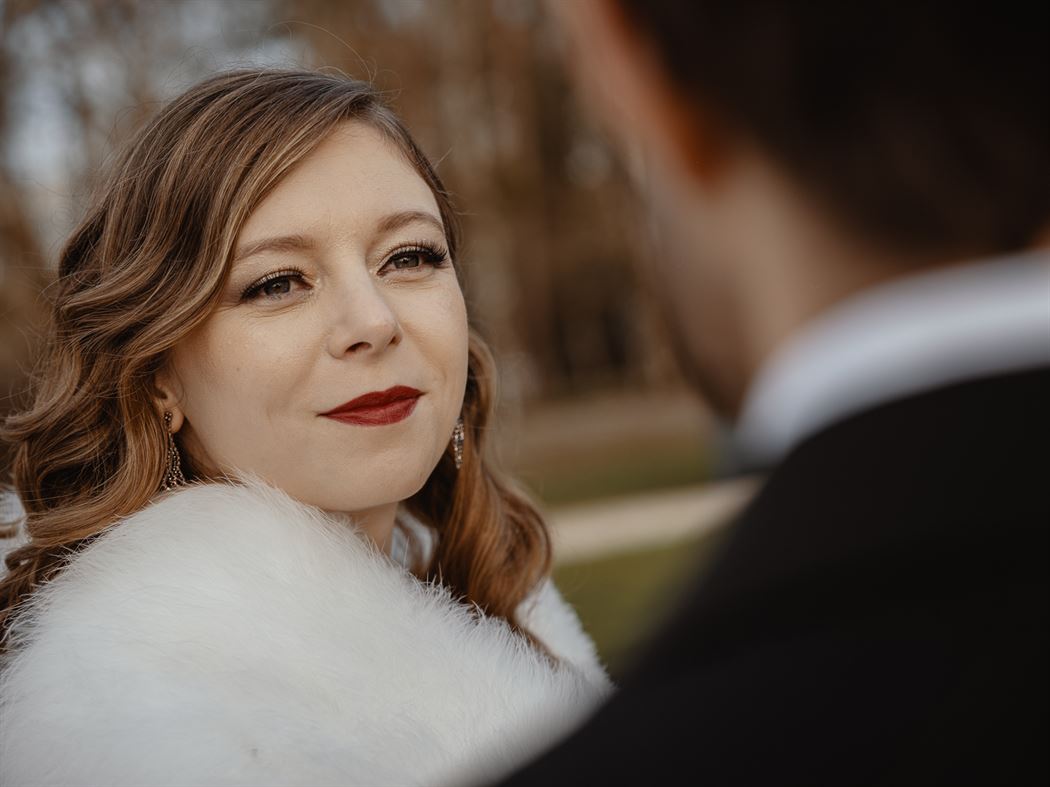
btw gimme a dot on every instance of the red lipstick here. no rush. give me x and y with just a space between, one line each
377 408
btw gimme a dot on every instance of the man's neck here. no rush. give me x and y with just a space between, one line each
800 264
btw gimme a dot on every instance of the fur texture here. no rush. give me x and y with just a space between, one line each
229 635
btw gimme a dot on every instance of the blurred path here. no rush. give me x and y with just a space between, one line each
592 530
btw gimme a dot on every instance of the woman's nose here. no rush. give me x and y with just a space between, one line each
362 322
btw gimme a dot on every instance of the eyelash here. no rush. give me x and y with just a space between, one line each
432 254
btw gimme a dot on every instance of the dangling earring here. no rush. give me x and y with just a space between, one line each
457 443
173 476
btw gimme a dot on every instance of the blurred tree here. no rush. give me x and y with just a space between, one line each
21 261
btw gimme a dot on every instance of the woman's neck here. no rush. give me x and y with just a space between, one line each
376 523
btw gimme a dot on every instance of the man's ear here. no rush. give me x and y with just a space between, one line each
167 395
622 75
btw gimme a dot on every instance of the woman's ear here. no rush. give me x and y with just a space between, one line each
167 395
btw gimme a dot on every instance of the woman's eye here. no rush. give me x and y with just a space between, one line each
411 260
273 287
414 259
277 287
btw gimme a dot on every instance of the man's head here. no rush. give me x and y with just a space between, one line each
797 152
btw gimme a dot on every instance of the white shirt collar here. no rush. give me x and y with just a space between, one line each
904 337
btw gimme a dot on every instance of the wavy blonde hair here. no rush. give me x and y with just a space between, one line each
139 274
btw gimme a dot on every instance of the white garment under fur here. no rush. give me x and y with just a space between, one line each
228 635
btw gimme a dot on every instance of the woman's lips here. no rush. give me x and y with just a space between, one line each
378 408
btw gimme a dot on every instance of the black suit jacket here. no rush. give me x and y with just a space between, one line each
879 615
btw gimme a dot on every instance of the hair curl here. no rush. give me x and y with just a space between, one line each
139 274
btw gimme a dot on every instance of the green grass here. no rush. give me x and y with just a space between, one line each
623 599
616 471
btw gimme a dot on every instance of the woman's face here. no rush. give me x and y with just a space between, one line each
341 287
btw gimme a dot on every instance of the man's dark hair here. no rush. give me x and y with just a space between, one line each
923 125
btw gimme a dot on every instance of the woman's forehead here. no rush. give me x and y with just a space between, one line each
356 179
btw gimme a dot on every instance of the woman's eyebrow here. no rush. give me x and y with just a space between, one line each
387 224
396 221
277 243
